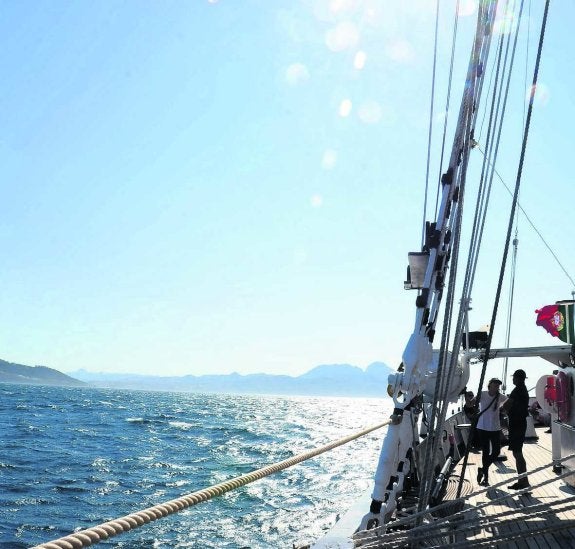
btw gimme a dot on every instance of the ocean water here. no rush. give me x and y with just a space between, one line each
73 458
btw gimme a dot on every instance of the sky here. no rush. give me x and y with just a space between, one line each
196 187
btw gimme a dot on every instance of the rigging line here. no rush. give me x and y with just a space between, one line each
443 378
442 375
517 185
527 56
479 208
430 131
488 91
485 189
478 146
510 304
511 219
494 118
93 535
447 103
462 141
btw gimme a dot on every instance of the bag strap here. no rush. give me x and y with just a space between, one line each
496 397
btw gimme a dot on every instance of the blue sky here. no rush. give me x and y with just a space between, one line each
213 186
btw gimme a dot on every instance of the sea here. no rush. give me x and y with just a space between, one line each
73 458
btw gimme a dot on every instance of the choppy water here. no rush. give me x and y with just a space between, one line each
74 458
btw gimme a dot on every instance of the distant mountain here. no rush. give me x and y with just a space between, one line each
324 380
35 375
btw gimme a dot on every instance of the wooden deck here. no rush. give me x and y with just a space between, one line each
494 501
491 517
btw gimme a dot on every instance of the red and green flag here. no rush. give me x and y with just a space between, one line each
558 320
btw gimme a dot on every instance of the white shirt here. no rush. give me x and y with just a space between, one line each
489 420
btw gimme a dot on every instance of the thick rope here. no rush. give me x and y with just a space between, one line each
93 535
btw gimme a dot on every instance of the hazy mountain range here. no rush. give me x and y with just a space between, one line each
324 380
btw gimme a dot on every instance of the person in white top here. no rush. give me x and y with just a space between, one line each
489 428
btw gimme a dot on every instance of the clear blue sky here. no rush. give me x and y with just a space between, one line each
215 186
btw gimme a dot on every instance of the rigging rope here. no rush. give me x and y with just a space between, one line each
517 187
93 535
510 303
459 158
430 124
447 102
478 147
479 226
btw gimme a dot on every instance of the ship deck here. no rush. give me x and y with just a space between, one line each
548 491
493 516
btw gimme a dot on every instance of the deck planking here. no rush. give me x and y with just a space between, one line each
537 454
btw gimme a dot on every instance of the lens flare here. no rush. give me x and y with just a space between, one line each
296 73
316 201
467 8
359 60
400 50
540 94
370 112
345 108
329 159
344 36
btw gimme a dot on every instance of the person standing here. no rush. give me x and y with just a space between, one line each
517 408
489 428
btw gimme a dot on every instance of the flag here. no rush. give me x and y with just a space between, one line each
558 320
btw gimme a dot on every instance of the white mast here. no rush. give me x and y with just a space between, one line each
406 385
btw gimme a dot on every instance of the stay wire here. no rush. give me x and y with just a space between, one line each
462 144
447 104
510 303
483 201
515 195
430 131
520 207
485 188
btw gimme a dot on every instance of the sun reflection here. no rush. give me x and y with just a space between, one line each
329 159
296 73
342 37
345 108
370 112
359 60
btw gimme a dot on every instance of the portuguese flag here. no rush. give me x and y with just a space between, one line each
558 320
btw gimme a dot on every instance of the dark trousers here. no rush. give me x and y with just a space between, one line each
490 447
517 430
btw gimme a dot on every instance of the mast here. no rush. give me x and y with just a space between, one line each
428 273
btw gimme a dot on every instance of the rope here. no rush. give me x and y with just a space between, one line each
87 537
510 303
516 194
430 123
458 165
447 102
553 254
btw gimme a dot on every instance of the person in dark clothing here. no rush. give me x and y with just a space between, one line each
517 407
